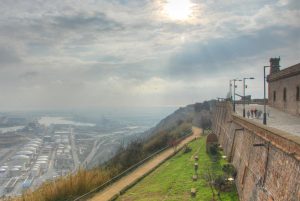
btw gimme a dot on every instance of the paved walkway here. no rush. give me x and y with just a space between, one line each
276 118
114 189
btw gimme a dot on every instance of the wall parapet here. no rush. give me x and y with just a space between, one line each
268 172
283 140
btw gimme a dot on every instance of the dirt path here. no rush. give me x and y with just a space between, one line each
114 189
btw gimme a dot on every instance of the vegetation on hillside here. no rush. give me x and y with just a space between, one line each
140 149
167 132
173 180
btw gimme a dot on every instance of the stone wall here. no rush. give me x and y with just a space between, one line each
268 172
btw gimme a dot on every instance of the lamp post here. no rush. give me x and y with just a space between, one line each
230 89
265 101
234 86
244 96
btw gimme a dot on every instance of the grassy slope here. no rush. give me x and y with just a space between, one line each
172 180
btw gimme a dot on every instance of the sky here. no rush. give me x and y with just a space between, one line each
139 53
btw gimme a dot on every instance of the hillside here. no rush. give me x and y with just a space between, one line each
169 130
199 114
173 180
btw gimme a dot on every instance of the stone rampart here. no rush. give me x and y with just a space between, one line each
267 159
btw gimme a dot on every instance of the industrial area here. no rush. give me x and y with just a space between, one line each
39 151
37 160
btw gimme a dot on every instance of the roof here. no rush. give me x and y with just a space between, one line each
20 157
285 73
33 145
29 148
25 152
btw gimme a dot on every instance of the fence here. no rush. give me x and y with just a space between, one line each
127 171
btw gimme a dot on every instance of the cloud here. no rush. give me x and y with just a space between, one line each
289 4
81 22
220 55
8 56
61 54
29 75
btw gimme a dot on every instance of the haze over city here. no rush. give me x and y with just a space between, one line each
149 100
89 54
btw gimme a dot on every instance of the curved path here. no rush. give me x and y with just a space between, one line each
123 183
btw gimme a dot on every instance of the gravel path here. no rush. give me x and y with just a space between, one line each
114 189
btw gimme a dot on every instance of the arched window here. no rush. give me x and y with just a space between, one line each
284 94
297 93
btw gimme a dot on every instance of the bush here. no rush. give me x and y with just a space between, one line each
159 141
213 149
220 182
229 170
187 149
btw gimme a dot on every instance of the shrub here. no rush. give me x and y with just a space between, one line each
213 149
187 149
229 170
220 182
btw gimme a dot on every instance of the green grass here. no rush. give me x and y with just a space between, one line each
172 181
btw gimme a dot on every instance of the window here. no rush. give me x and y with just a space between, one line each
274 96
297 93
284 94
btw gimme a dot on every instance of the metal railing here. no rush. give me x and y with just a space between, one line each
125 172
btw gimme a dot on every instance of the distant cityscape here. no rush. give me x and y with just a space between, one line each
34 149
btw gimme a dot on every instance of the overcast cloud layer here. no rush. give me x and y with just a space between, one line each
86 54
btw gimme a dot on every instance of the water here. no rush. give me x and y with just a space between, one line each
11 129
47 121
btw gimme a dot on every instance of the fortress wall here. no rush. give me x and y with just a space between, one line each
270 172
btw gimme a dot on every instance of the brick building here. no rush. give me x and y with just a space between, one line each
284 87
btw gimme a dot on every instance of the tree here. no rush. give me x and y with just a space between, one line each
205 120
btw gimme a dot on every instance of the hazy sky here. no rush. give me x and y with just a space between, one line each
86 54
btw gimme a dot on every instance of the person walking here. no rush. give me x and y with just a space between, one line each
259 114
255 113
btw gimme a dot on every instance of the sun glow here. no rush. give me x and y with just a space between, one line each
178 9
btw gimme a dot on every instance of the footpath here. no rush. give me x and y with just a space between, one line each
114 190
275 118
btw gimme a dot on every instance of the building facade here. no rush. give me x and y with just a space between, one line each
284 87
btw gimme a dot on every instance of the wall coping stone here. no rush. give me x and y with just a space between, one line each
281 133
283 140
268 133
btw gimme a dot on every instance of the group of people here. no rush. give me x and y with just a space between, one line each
254 113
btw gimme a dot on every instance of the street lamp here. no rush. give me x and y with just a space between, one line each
230 89
244 97
265 101
234 86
